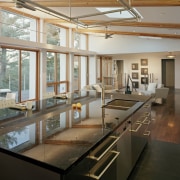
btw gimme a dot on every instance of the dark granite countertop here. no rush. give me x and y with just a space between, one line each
60 136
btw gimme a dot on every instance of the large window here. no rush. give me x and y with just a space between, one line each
17 26
18 72
56 35
80 72
80 41
56 73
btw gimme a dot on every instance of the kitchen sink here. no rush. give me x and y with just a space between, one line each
120 104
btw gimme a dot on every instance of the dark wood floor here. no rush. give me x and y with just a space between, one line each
161 158
166 123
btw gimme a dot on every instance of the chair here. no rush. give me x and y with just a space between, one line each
48 95
10 99
11 96
160 95
151 88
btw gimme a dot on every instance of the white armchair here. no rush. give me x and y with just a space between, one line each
11 95
150 89
160 95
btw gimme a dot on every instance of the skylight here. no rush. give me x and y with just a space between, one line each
121 14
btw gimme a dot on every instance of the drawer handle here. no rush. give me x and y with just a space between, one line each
137 129
147 106
97 158
97 177
147 114
147 133
146 121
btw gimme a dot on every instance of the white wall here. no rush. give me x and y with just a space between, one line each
131 44
132 49
154 65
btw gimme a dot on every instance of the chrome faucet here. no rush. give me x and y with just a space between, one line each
102 96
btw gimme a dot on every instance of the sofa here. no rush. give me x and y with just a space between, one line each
98 88
160 95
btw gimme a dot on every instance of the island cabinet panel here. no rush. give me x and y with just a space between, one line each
15 168
140 133
66 143
100 164
124 163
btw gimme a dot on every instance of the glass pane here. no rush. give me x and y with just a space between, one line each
63 37
61 67
83 43
53 35
28 75
9 68
50 88
76 40
76 73
50 71
58 67
80 41
83 71
62 88
18 26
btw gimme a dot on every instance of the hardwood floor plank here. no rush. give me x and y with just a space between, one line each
166 123
161 157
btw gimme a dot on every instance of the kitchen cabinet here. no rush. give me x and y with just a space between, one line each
100 163
124 165
117 161
140 133
63 143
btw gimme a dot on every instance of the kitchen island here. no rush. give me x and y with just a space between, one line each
56 141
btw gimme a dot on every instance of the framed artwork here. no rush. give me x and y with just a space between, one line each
135 84
135 75
144 71
144 62
144 80
134 66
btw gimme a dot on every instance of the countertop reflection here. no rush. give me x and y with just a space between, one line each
60 135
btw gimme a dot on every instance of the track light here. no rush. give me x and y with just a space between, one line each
22 4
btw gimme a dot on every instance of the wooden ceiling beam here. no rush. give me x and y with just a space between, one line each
172 36
131 24
98 3
106 3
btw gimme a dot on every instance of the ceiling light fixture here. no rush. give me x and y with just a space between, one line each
126 7
170 55
22 4
149 37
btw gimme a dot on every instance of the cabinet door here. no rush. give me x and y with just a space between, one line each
99 164
124 164
80 170
139 131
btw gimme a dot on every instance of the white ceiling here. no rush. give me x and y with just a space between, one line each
158 15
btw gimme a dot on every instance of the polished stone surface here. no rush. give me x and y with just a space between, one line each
161 158
51 135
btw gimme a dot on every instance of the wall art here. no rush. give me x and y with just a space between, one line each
144 62
134 66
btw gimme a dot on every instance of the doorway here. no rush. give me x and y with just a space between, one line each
168 72
120 72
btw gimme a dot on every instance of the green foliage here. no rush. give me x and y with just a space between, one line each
53 35
15 26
